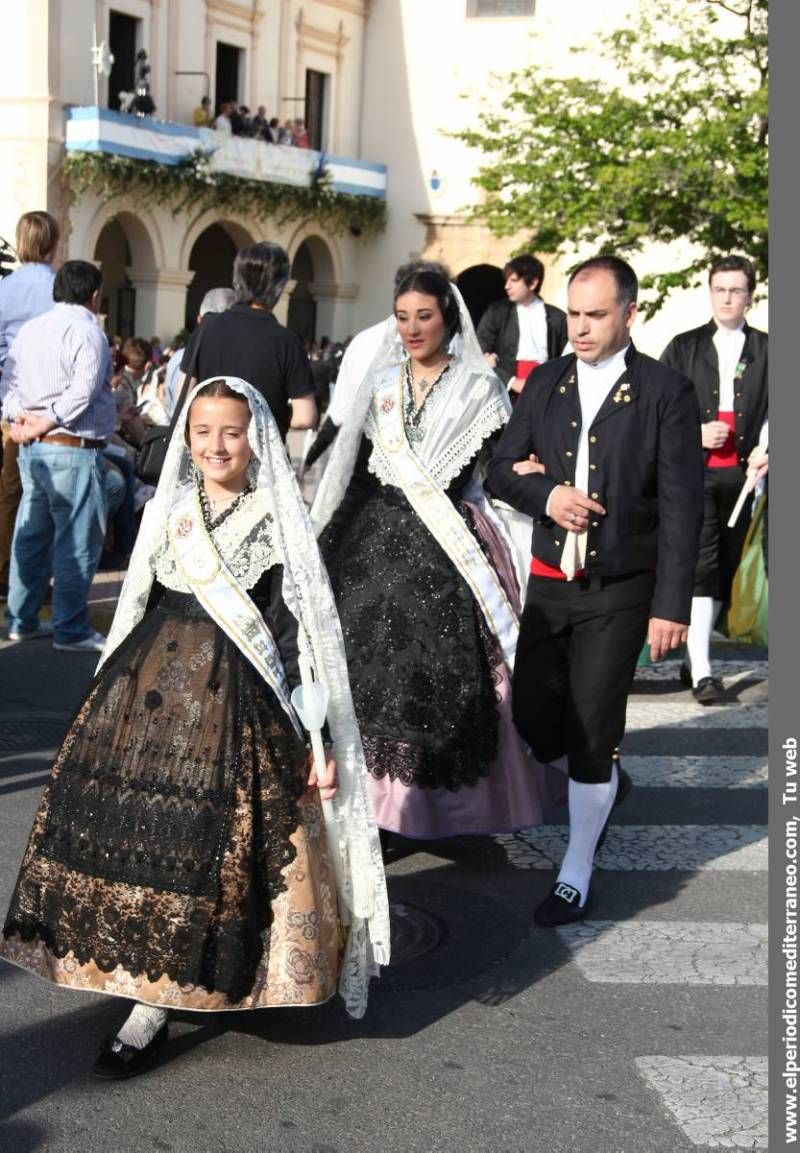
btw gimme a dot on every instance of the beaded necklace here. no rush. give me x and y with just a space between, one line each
212 519
416 418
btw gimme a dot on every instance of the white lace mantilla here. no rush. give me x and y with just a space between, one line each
446 465
245 540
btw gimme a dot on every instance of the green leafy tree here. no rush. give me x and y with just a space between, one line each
675 148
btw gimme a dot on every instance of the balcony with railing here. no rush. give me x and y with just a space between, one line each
183 167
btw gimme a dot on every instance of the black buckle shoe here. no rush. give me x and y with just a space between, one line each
118 1060
561 907
624 786
709 691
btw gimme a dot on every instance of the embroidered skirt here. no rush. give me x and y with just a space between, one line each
176 857
431 691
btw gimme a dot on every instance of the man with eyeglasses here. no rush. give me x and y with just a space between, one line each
727 361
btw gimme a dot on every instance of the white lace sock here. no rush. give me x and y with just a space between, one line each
142 1025
698 645
589 806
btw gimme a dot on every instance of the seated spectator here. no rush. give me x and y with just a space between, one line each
286 134
126 386
274 130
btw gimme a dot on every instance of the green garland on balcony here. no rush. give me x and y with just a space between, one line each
191 185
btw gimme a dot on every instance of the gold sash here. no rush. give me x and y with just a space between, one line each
437 513
224 599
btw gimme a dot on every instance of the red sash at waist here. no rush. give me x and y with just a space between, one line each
541 569
525 368
725 456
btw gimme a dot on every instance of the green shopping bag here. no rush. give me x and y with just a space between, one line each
747 615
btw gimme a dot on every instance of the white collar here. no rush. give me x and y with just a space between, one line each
603 365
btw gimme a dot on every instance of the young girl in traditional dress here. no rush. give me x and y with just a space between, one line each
184 854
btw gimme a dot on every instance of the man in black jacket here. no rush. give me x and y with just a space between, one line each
726 360
522 331
617 512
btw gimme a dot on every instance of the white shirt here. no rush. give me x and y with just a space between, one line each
532 320
60 366
595 381
729 344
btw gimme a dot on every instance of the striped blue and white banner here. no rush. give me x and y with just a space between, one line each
119 134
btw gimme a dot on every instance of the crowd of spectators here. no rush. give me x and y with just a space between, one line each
86 379
236 120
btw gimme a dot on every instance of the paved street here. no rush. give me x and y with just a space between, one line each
640 1031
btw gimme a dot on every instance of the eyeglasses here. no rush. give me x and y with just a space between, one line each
730 291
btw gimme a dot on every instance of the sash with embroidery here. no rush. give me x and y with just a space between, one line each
224 599
437 513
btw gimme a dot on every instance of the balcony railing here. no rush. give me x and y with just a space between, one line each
119 134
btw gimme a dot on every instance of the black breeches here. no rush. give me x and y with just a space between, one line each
720 546
576 658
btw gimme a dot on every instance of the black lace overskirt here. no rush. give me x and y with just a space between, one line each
422 663
161 837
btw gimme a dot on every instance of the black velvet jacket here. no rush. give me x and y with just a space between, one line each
646 469
498 332
694 354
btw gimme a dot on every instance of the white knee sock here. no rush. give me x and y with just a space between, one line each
698 645
589 806
142 1025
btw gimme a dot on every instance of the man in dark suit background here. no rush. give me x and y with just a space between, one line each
617 511
726 360
522 331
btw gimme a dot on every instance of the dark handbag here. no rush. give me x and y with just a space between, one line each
152 452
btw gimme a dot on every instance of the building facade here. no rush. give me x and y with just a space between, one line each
380 84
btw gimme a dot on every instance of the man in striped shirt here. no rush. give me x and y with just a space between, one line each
56 390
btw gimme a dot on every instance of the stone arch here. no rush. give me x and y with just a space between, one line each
314 283
141 231
124 245
324 253
480 285
240 233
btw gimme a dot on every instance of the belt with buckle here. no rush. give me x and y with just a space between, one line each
71 441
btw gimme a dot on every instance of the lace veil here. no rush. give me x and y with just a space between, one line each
475 405
308 595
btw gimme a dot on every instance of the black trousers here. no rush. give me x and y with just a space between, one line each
576 659
720 546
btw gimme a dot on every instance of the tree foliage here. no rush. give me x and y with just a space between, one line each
675 148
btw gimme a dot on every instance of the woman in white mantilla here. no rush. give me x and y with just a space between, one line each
421 568
184 854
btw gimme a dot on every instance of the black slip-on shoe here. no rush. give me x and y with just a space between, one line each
709 691
118 1060
561 906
